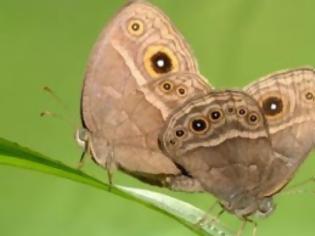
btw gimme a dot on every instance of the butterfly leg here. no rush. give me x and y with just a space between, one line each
82 158
205 221
255 229
214 219
242 227
110 180
244 222
255 226
109 169
83 140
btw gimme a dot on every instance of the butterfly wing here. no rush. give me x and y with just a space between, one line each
287 99
138 47
222 140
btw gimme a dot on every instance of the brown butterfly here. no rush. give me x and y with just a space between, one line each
244 147
287 100
140 70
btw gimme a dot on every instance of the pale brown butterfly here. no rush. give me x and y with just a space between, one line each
140 70
222 140
245 147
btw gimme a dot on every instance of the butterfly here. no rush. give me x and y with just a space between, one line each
140 70
245 146
143 83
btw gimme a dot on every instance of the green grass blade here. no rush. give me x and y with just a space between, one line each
12 154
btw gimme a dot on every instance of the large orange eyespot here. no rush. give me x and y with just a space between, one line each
272 106
135 27
160 60
199 125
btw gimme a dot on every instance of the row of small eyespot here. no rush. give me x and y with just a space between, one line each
167 87
200 125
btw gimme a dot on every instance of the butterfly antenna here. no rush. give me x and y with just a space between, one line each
297 188
69 119
59 117
56 98
80 136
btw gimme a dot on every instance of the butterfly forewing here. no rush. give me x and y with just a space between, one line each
124 102
287 99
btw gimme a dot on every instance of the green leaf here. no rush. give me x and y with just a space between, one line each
12 154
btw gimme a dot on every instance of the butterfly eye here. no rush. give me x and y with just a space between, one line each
135 27
181 91
216 115
242 111
272 106
167 86
253 118
199 125
160 60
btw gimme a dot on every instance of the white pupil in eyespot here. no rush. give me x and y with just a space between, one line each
273 106
135 26
160 63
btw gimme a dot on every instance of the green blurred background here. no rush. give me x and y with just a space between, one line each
45 42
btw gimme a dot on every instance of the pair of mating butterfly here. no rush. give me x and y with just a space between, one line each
149 112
